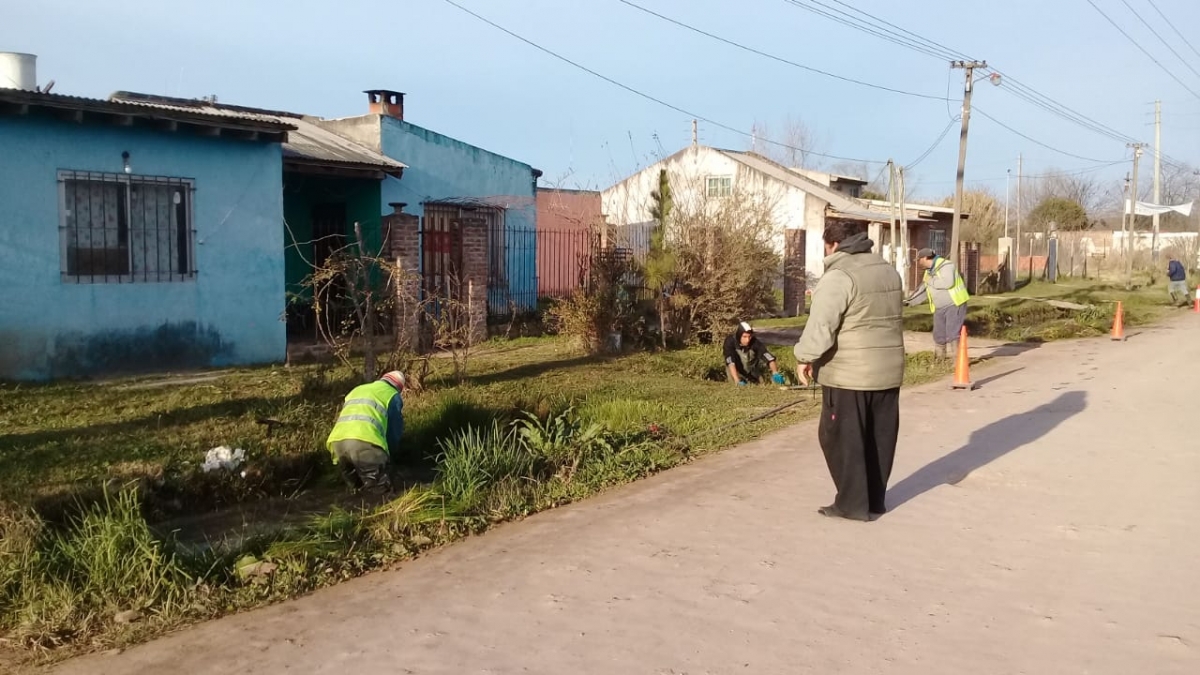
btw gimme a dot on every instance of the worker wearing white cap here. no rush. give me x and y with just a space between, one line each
746 356
367 433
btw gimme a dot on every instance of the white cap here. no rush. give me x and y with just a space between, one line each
746 327
394 378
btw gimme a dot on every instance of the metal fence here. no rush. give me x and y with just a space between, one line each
528 266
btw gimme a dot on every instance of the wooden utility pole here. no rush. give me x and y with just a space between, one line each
955 225
892 209
1157 176
1133 199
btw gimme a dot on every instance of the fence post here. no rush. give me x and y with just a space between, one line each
475 274
402 233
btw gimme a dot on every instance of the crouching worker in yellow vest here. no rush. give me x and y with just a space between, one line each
367 433
947 296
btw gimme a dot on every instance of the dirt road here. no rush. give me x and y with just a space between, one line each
1042 524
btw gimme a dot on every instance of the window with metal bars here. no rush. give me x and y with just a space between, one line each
937 241
118 228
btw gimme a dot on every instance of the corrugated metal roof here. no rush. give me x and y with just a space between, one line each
307 141
763 165
120 106
315 143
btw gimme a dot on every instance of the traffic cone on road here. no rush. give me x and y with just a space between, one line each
1118 329
962 364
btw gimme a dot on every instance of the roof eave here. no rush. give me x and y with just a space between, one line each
349 169
78 110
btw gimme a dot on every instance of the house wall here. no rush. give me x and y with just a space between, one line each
627 204
442 169
566 220
229 314
300 194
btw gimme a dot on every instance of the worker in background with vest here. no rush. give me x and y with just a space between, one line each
947 295
367 433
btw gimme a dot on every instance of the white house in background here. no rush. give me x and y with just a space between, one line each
804 201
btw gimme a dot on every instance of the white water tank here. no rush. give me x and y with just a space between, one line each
18 71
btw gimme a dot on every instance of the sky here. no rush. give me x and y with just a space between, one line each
469 80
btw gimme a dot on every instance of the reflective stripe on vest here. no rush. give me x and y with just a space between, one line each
958 292
364 416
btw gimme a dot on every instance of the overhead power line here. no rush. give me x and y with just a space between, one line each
1141 48
1035 141
941 137
936 45
1174 28
1048 174
643 94
1017 89
891 32
780 59
849 20
1160 38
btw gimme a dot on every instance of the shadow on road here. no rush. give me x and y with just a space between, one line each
992 378
986 445
1013 349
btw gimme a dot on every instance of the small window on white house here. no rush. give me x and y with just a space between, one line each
117 228
720 186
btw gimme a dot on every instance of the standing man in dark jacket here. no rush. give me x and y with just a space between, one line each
853 345
746 356
1176 280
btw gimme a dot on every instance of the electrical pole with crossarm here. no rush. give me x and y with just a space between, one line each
955 226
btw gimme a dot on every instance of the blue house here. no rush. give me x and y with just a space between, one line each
345 171
330 183
136 238
448 180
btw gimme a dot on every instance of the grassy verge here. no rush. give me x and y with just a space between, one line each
1026 316
87 471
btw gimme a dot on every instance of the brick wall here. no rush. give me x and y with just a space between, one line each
475 274
403 240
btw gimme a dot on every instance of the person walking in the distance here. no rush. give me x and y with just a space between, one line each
367 433
1176 280
947 296
853 345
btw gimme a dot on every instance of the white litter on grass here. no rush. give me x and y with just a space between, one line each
223 458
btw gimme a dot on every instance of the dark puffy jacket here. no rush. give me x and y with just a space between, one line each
734 342
1175 271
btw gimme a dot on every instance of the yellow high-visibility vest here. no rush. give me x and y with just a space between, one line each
364 416
958 292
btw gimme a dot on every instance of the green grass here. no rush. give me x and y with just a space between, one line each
88 471
1021 316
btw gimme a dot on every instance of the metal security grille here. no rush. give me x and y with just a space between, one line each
117 228
937 242
441 252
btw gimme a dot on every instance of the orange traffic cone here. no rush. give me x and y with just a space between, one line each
1118 329
962 364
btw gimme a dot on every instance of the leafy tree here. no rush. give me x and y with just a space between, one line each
1067 214
660 260
985 215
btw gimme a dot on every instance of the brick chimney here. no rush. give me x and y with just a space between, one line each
386 102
